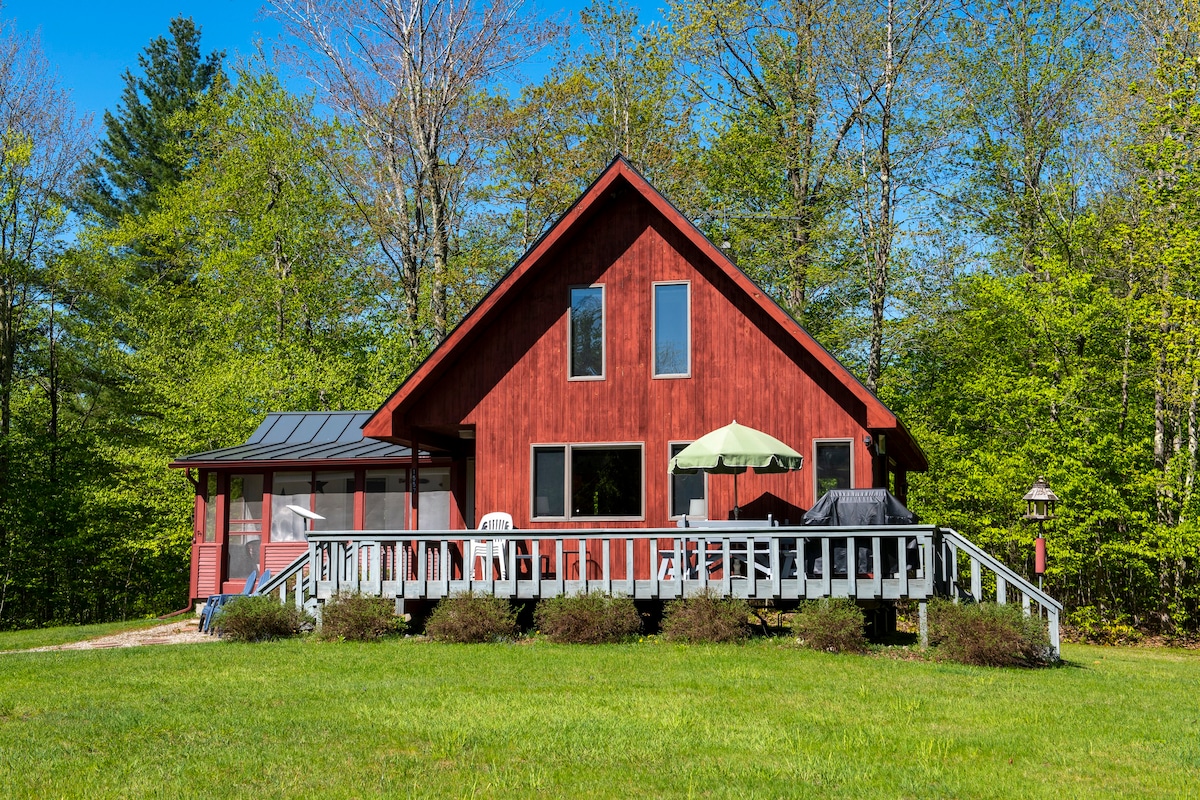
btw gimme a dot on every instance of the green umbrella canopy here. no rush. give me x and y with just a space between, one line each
734 448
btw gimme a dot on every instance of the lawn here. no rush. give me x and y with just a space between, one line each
408 718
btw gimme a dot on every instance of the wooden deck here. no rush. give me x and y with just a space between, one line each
784 565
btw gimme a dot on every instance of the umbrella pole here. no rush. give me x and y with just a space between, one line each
735 506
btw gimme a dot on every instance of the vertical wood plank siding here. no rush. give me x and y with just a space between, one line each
512 385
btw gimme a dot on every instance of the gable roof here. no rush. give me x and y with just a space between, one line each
287 437
620 174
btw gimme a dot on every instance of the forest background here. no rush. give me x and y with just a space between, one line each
987 210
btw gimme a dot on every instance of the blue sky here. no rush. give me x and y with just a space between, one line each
91 44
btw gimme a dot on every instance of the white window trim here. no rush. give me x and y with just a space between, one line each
654 331
603 334
568 447
671 484
816 464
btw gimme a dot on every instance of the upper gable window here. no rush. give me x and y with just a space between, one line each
672 331
587 332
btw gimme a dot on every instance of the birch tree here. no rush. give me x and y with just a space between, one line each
406 77
898 52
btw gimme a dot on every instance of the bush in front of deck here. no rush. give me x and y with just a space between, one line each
832 625
259 619
706 618
592 618
988 634
357 618
471 618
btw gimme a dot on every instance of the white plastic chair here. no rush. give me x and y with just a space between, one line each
489 549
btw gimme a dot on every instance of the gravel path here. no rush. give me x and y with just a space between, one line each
178 632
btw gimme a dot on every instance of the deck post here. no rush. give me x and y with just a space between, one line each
923 617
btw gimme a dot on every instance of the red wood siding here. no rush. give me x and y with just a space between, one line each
512 386
207 560
277 555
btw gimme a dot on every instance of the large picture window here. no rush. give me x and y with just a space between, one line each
672 331
834 466
685 488
588 481
587 332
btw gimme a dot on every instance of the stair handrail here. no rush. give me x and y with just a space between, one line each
1001 569
297 564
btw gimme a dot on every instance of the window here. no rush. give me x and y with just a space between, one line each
672 331
334 500
588 481
587 332
289 488
210 508
549 482
386 499
834 466
245 524
685 488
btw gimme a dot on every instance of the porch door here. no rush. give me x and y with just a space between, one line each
244 542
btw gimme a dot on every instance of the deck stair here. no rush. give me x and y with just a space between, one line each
294 585
998 583
917 563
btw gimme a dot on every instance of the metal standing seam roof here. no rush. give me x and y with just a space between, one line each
306 436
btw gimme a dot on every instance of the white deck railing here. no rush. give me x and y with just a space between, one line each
787 563
757 563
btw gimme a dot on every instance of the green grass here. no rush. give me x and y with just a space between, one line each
414 719
48 637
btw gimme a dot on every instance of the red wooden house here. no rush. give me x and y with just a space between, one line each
618 338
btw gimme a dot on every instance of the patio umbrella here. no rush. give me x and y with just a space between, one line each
732 450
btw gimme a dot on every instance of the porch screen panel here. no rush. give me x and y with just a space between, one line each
549 482
245 525
434 485
333 496
289 488
210 508
245 502
386 500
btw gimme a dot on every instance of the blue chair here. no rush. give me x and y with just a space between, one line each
215 601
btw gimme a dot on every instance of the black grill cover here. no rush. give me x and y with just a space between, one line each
859 507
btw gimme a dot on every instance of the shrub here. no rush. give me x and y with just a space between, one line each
988 634
834 625
356 618
587 618
257 619
706 618
1088 625
468 618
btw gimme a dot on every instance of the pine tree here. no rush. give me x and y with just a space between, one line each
139 154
